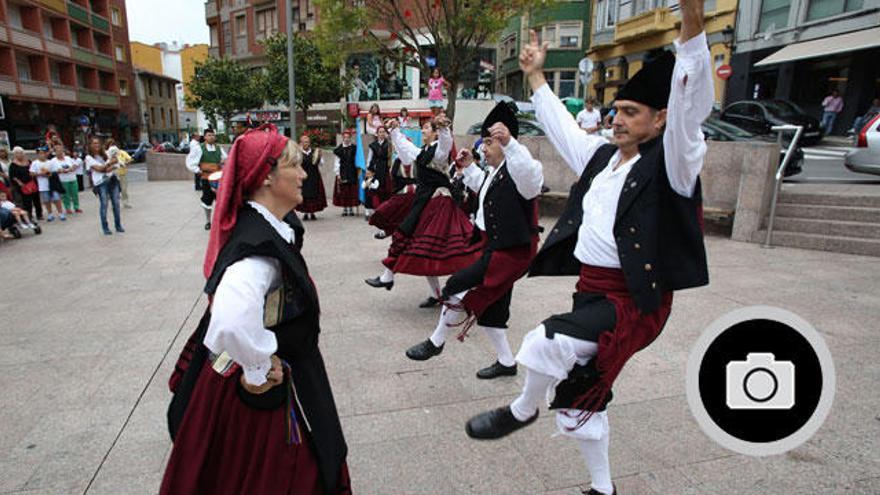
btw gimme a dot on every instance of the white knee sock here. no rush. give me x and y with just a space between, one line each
448 317
595 454
533 395
498 336
387 276
434 284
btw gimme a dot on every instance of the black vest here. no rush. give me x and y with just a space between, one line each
379 161
428 180
658 232
397 175
292 313
310 188
347 169
510 219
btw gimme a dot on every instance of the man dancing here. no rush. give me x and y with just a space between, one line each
205 159
631 228
507 223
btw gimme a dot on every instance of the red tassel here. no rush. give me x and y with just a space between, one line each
393 36
407 13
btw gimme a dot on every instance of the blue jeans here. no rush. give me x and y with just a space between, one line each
109 190
828 122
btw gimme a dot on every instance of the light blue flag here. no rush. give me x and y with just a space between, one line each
360 160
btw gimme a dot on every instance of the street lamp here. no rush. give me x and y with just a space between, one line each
728 36
147 124
187 128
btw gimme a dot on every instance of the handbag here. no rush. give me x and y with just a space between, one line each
29 188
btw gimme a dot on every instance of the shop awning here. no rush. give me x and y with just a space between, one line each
849 42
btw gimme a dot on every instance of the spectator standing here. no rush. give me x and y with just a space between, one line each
104 182
403 118
77 156
374 120
832 105
24 186
122 161
66 167
43 169
4 166
436 84
590 119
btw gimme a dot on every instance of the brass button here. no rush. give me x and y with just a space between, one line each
637 246
555 231
632 230
495 237
653 285
632 184
571 222
648 267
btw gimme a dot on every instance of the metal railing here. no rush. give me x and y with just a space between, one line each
780 172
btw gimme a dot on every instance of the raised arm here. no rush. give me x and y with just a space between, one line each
405 148
690 102
575 146
526 172
444 146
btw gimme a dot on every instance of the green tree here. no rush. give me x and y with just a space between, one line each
317 79
223 87
453 29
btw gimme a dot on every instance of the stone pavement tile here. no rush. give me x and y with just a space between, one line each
397 425
659 481
131 458
138 484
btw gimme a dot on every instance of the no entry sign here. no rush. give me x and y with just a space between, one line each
724 71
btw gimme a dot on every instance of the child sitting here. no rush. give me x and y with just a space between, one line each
22 219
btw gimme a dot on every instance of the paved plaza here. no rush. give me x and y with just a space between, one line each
92 326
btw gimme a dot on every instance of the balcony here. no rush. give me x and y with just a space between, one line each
56 48
78 12
651 22
3 36
83 55
26 39
103 61
93 97
100 23
57 5
64 93
8 86
210 9
35 89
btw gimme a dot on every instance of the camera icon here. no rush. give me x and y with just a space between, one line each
760 382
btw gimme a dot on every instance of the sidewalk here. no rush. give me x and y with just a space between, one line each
93 325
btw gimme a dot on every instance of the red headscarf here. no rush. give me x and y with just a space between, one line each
248 164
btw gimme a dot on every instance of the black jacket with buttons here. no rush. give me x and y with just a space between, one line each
511 220
658 232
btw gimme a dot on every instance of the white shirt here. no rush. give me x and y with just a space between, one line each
684 147
7 205
97 178
4 166
527 175
195 156
408 152
589 119
236 325
79 165
70 164
37 167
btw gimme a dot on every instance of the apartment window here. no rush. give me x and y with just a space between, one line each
508 46
606 14
153 115
774 15
642 6
561 35
215 35
24 68
47 27
120 53
150 87
551 80
241 25
55 73
266 23
115 16
567 84
171 117
163 117
159 84
826 8
123 87
15 17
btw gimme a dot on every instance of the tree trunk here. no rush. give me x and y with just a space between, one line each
452 97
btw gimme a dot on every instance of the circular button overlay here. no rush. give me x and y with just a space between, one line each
760 381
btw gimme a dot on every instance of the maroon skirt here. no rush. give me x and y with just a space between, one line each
440 245
346 195
505 267
315 203
390 213
226 447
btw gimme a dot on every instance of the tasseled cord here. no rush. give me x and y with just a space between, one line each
294 436
608 363
467 323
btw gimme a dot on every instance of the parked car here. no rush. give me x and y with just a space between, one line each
526 128
865 158
716 129
759 116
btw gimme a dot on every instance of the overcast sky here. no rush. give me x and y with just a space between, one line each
154 21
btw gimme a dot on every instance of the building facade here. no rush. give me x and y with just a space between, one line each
177 62
66 66
157 97
566 26
627 32
800 50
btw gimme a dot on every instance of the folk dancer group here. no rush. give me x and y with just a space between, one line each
251 379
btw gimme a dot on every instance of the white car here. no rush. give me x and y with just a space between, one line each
865 158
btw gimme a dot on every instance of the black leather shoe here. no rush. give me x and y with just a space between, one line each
423 351
496 423
497 369
208 226
377 283
430 302
593 491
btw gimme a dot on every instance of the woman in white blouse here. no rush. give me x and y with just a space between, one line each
253 411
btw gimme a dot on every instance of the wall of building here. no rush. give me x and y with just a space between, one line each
147 57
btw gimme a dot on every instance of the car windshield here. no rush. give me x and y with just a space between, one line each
728 128
782 108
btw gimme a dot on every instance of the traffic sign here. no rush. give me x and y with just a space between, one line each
724 72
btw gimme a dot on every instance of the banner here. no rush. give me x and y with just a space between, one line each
359 159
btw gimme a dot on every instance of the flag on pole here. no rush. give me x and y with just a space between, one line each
360 160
